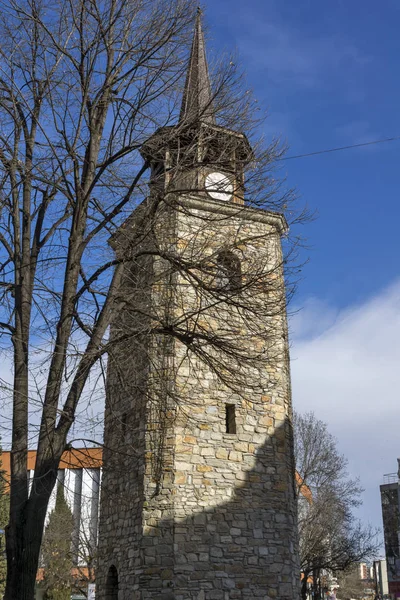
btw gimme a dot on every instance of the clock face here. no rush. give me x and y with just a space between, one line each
219 186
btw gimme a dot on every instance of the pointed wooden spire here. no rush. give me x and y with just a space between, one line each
197 96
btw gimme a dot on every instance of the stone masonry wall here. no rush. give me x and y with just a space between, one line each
188 510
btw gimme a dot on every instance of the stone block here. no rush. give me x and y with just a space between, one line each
235 456
204 468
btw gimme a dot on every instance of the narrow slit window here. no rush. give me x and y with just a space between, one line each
230 418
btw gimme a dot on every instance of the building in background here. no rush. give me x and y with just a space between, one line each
390 501
80 476
363 571
380 577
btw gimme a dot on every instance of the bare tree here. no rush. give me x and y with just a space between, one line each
351 584
83 85
77 83
331 539
85 570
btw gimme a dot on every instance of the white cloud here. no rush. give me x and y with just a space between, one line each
346 368
314 317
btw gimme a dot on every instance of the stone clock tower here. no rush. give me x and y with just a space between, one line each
198 494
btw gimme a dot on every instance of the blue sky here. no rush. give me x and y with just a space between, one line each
328 75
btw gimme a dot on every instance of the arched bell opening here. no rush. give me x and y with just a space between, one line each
229 272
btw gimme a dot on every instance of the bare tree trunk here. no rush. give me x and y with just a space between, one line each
17 540
23 545
315 584
304 588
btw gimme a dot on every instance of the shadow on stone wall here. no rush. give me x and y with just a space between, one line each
206 548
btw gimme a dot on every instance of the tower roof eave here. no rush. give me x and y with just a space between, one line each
163 138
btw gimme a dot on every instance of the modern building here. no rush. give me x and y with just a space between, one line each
379 570
198 498
390 501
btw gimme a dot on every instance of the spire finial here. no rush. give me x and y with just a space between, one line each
197 96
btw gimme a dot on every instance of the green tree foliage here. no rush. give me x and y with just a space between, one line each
4 515
57 557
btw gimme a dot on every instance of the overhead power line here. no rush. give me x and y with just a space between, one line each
383 141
